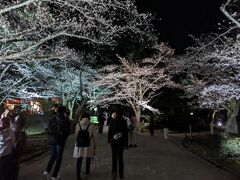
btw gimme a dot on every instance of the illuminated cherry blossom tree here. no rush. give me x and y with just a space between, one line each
135 84
27 26
226 87
215 76
71 84
12 76
21 79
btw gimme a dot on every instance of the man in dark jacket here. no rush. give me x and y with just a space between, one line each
58 132
118 137
101 120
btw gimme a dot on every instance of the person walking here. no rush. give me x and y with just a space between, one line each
7 144
109 118
16 123
118 137
85 146
101 120
151 126
132 130
58 132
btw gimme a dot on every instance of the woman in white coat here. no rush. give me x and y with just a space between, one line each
84 152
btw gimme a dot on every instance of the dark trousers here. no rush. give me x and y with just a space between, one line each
8 168
15 165
100 128
79 166
117 157
56 156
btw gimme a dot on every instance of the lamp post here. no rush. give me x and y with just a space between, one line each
190 124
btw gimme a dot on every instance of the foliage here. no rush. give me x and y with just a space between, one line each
230 147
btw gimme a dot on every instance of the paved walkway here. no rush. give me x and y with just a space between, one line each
154 159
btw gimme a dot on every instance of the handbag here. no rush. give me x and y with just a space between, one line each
76 152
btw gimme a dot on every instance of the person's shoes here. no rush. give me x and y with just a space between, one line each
135 145
56 178
130 145
45 173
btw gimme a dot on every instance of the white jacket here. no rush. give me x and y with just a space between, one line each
85 151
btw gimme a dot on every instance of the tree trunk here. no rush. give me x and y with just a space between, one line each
211 123
80 109
211 128
138 115
64 100
190 130
137 111
232 112
70 108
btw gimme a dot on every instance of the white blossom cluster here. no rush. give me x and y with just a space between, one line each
29 79
215 96
214 71
27 26
225 71
134 83
13 75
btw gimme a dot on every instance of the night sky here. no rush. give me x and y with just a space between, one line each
179 18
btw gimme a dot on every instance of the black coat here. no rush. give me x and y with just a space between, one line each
58 130
118 125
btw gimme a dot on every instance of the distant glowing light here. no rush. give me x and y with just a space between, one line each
94 119
219 124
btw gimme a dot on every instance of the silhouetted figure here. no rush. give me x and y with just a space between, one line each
58 132
131 131
101 121
109 119
7 144
118 137
151 126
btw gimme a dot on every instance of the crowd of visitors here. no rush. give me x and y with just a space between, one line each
121 130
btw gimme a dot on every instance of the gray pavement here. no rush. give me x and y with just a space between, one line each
154 159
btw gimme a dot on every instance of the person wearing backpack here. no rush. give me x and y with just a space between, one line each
58 132
118 137
85 145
